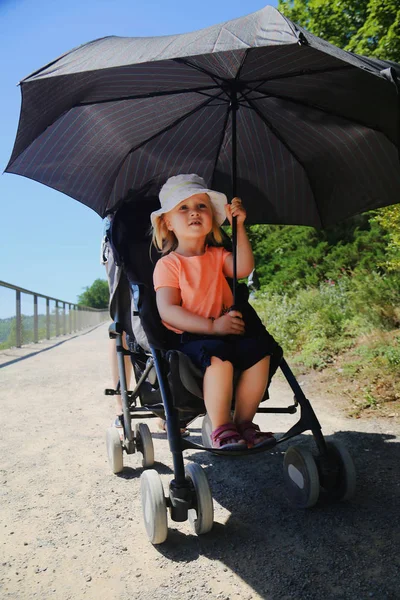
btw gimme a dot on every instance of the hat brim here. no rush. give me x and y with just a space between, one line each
217 199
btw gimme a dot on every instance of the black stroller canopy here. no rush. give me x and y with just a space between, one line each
317 127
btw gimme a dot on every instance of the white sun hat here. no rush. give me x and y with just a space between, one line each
178 188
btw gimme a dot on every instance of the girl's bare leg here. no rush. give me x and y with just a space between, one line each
250 390
217 390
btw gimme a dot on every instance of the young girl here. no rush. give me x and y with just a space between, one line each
194 300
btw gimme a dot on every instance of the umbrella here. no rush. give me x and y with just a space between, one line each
305 132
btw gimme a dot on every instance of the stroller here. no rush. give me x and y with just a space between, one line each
170 386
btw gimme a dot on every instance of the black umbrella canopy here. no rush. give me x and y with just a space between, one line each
317 128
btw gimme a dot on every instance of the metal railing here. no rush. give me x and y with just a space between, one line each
58 317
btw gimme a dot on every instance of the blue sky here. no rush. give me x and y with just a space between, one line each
49 242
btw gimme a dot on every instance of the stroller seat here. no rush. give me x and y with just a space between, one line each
136 258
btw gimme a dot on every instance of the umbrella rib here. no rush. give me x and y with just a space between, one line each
148 95
300 73
325 110
217 78
274 131
213 76
210 96
288 148
265 80
242 63
171 125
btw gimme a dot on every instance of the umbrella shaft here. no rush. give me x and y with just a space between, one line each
233 107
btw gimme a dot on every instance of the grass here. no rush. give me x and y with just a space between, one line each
348 331
368 375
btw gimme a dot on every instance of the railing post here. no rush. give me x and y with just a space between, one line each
64 320
69 318
48 318
35 319
18 319
57 321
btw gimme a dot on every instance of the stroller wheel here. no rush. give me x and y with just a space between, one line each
345 485
114 450
144 444
154 506
206 429
301 477
201 516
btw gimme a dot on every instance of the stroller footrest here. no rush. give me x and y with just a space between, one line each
290 409
110 392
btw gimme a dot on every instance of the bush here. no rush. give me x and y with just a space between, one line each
95 296
316 324
289 258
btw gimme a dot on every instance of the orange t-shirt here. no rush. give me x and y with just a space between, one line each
204 289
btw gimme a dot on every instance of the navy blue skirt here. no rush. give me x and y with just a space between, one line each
240 350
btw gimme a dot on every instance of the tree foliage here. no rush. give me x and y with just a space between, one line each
95 296
290 258
389 219
379 35
303 256
368 27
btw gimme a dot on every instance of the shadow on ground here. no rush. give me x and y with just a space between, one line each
344 550
132 473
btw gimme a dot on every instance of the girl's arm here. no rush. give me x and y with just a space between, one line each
171 312
244 256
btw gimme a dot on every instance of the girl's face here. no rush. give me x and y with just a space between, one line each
192 218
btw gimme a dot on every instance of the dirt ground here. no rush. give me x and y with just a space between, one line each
70 529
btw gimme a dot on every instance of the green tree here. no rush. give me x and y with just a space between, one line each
366 27
289 258
389 219
95 296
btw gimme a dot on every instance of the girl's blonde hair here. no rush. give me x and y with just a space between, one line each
166 241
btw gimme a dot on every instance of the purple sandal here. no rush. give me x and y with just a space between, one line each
227 437
251 433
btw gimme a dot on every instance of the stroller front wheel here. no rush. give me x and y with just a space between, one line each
144 444
154 506
114 450
201 516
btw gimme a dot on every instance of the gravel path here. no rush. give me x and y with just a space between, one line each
70 529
